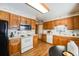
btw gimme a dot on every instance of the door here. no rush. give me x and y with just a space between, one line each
3 38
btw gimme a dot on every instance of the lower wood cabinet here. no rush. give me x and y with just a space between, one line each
35 41
44 39
76 40
60 40
14 47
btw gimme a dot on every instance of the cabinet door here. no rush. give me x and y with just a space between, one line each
18 21
77 42
33 24
58 22
35 41
76 22
45 25
56 40
28 21
64 40
44 37
14 21
23 20
50 25
4 15
14 47
69 22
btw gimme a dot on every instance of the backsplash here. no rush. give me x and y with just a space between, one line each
62 30
13 32
17 33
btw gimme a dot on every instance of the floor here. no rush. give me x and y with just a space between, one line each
41 50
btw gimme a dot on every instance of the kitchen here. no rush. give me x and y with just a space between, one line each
32 33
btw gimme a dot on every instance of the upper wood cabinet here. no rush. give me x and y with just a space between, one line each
14 21
33 24
4 15
58 22
68 22
45 25
76 22
48 25
28 21
23 20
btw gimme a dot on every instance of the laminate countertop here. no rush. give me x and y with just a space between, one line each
67 36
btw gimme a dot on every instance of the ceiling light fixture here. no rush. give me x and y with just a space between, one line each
39 6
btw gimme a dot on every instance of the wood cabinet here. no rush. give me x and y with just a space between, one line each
28 21
33 24
56 40
23 20
35 41
68 22
14 47
58 22
45 25
60 40
44 37
76 22
48 25
14 21
4 15
75 39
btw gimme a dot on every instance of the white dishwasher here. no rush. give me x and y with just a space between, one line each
49 38
26 43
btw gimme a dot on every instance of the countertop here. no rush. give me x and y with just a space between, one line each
63 35
67 36
13 38
19 37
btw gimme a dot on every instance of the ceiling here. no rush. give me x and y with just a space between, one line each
56 10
